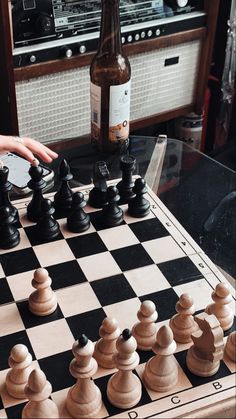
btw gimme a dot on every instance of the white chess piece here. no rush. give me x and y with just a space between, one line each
20 362
43 301
145 330
203 357
230 347
84 399
161 371
220 308
106 346
124 388
38 390
183 324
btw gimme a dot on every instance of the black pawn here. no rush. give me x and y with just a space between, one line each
112 214
5 188
47 227
125 186
36 184
98 195
139 206
63 197
78 220
9 235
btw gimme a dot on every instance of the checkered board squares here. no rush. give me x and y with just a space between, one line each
107 272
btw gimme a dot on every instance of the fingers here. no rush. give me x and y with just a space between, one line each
22 150
45 153
27 148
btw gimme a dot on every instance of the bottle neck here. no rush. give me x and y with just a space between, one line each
110 35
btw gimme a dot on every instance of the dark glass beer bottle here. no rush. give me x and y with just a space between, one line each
110 85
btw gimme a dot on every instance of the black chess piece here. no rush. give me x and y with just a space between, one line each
112 214
5 188
9 235
78 220
47 227
63 197
98 195
36 184
125 186
139 206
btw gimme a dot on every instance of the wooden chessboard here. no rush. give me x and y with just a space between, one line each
109 272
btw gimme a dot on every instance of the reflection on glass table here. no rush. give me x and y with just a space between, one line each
191 185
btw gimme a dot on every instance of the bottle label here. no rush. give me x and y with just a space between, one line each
119 111
95 95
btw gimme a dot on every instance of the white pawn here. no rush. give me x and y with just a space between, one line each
20 362
43 301
161 371
183 324
124 388
84 399
145 330
230 347
38 390
106 346
220 308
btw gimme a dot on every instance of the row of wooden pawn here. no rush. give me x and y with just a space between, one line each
43 302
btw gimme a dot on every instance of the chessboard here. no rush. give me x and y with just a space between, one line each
109 272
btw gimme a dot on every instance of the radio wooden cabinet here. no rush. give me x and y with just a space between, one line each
47 97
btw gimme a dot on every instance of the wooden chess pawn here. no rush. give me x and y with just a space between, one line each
84 399
38 390
203 357
145 330
161 371
106 346
20 362
124 388
43 301
220 308
183 324
230 347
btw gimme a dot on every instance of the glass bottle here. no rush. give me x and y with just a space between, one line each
110 75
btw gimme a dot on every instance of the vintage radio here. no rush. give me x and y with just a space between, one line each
168 43
52 29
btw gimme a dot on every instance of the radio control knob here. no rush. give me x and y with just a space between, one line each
82 49
143 34
158 32
66 52
69 53
149 34
33 59
137 37
130 38
123 40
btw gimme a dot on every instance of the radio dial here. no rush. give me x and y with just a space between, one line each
44 24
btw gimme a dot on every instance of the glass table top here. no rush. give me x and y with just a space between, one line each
200 192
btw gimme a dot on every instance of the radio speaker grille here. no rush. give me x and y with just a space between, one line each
57 106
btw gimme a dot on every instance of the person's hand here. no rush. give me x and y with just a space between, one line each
27 148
